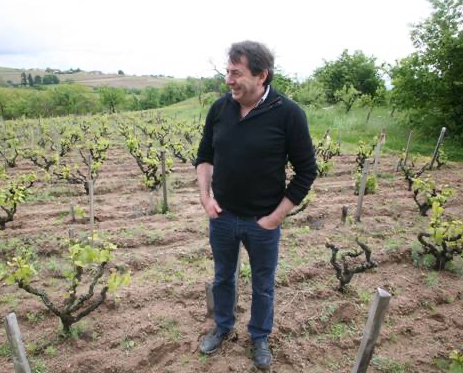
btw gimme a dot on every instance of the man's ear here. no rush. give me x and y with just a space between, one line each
263 75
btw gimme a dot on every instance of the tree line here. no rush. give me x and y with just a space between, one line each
67 99
37 80
426 86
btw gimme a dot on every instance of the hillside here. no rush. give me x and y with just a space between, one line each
91 79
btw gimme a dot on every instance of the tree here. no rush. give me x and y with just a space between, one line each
172 93
429 82
356 70
50 79
283 83
30 80
310 93
65 99
111 97
347 95
37 80
120 72
23 79
215 84
3 103
150 98
372 102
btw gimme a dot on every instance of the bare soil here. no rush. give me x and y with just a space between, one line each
154 324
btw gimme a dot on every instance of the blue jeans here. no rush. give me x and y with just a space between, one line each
225 234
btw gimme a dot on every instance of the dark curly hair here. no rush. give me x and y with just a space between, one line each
258 55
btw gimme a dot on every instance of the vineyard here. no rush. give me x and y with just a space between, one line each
125 277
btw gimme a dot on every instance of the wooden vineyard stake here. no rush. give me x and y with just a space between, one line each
404 161
151 203
345 210
363 184
2 122
21 365
55 135
91 199
439 142
92 212
407 148
209 295
378 147
72 212
165 208
370 335
71 234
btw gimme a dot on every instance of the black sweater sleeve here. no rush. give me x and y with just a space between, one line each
205 149
301 155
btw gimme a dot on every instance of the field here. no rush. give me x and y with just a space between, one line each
91 79
154 324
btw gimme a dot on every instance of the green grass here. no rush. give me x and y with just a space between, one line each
38 366
127 344
187 110
5 350
385 364
169 329
352 128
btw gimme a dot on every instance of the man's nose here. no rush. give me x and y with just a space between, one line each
228 79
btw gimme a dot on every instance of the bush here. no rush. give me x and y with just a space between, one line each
89 262
443 239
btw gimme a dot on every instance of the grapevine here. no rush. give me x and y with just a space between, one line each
146 146
443 239
431 192
13 192
88 261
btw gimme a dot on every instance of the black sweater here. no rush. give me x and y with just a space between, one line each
249 155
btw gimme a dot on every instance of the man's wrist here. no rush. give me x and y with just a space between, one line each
204 195
276 218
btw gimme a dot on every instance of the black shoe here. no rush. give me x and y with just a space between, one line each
212 341
262 354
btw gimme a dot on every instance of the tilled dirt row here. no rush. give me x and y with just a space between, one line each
154 324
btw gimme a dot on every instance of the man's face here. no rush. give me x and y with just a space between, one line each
245 88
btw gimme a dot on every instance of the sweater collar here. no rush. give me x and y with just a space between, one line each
264 97
269 95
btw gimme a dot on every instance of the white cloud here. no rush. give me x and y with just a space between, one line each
180 37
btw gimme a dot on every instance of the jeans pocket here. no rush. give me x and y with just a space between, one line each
264 229
218 216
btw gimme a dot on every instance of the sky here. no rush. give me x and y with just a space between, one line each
189 38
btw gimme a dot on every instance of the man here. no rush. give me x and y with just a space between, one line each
249 136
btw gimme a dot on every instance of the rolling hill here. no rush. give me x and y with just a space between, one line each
91 78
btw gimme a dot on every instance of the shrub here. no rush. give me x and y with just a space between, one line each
457 362
371 185
13 192
89 262
346 271
428 188
443 239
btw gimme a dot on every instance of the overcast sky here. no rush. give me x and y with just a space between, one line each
182 38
